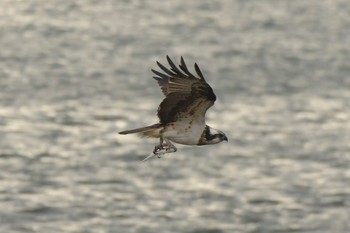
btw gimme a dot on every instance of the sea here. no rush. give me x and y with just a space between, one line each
75 73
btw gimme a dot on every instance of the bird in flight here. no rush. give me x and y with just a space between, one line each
182 112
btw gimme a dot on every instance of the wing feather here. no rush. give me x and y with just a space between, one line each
174 68
185 69
165 69
196 67
186 96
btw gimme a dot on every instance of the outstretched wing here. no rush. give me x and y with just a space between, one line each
188 97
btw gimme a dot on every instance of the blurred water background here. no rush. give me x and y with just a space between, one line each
74 73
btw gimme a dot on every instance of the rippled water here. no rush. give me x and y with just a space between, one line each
74 73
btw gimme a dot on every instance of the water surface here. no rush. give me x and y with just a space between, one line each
74 73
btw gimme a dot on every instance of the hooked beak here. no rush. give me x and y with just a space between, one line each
225 138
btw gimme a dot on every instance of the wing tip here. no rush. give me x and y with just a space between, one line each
174 71
198 71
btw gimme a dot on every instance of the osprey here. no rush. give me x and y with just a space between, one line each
182 112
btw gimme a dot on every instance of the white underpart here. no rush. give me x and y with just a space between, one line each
181 133
213 131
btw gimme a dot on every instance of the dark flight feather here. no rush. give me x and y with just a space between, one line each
187 95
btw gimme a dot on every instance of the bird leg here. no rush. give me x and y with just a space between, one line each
167 146
158 148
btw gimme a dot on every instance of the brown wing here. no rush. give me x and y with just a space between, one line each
187 95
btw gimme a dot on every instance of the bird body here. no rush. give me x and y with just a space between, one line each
182 112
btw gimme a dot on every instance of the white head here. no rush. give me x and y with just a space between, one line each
212 136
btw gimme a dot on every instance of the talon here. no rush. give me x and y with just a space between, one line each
157 148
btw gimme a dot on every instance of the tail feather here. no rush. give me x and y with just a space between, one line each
148 131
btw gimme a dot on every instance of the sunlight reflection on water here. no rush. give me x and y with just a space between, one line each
75 73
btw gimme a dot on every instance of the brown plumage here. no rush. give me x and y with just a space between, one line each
182 112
